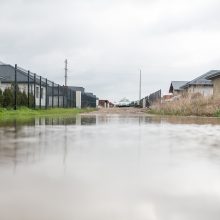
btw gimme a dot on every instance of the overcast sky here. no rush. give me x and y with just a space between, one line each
107 41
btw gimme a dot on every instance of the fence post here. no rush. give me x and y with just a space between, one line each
58 96
35 90
15 88
52 93
71 101
28 92
46 104
63 96
40 94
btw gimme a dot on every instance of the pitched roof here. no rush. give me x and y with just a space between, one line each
214 75
7 75
175 85
77 88
7 72
201 80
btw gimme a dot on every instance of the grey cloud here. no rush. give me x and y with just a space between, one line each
107 42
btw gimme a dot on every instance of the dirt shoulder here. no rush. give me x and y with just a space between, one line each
118 111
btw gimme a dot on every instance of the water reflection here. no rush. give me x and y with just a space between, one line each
110 167
75 120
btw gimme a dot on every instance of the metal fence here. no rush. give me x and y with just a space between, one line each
151 99
43 93
88 100
154 97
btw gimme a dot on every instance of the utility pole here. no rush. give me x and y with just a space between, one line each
140 88
66 72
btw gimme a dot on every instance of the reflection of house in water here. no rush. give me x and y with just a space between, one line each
35 143
77 120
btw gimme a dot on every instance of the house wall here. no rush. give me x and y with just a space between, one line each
216 88
97 103
177 92
37 99
4 86
78 99
203 90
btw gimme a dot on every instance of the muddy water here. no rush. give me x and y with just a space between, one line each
110 168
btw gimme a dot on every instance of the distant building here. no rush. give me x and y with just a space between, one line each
104 103
175 87
89 100
215 78
200 85
84 99
78 90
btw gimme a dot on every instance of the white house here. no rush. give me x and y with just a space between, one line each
46 93
7 74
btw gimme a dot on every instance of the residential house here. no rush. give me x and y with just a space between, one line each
175 87
215 78
7 73
200 85
46 92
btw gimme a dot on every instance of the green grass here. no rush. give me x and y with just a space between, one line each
24 113
217 113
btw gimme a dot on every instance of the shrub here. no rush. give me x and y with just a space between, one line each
22 99
1 98
31 100
8 99
192 105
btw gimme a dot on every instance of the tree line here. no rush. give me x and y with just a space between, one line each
7 98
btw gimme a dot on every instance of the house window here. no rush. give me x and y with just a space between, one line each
42 93
37 92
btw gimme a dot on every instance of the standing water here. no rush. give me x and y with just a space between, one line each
110 168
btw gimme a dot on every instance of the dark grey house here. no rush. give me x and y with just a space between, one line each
175 87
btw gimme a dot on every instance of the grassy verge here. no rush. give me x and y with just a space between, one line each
26 113
189 106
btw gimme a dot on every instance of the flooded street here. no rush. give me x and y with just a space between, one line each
110 167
